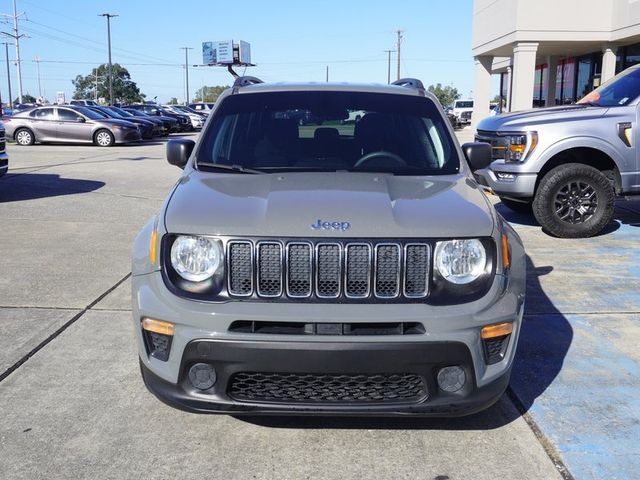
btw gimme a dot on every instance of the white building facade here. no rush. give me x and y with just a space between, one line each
550 52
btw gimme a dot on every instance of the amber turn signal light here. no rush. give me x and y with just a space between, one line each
153 242
496 330
157 326
505 251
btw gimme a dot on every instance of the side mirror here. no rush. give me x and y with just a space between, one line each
179 151
478 155
80 120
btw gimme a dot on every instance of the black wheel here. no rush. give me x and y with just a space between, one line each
519 207
574 201
104 138
24 136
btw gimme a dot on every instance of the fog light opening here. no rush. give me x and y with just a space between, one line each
158 336
202 376
451 379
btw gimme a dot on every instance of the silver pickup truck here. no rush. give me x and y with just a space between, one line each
568 164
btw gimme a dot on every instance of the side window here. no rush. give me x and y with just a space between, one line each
65 115
42 114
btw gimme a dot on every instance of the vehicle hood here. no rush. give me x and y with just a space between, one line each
539 116
289 204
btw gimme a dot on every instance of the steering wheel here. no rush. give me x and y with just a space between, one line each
380 154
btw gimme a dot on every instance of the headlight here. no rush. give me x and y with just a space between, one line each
519 146
460 261
196 258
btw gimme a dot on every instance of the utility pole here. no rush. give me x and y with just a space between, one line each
109 17
37 60
6 52
16 36
389 65
327 74
95 93
186 73
399 42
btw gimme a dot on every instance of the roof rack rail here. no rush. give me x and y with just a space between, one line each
246 81
410 83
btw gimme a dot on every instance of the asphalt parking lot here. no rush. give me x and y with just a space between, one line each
73 405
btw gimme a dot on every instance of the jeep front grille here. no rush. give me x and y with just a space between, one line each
328 269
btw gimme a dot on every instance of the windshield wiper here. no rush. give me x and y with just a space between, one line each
219 167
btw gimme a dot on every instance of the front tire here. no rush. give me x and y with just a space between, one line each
24 136
104 138
574 201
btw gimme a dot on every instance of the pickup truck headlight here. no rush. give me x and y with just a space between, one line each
196 258
519 146
460 261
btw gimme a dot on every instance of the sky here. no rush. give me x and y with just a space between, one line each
291 40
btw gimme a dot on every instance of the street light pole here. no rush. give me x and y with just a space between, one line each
6 52
37 60
186 72
399 33
389 65
109 17
17 38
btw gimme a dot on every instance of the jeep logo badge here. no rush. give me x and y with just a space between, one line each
320 225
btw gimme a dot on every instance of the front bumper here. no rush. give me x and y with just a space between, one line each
333 360
4 163
203 335
516 184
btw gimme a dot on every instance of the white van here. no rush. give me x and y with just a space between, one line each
462 109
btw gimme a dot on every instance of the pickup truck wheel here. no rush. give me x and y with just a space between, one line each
574 201
519 207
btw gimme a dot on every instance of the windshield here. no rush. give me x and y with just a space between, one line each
620 90
329 131
468 104
122 112
92 114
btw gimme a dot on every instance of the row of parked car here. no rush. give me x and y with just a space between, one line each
84 121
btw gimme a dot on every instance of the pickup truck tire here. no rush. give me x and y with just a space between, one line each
574 201
519 207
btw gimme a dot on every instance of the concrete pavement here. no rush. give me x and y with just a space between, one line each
73 404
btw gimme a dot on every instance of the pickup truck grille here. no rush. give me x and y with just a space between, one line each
497 142
328 269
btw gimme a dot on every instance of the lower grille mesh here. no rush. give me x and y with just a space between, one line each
329 389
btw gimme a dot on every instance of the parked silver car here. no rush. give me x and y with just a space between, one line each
64 124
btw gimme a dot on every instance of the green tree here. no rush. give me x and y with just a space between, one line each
209 94
173 101
125 90
446 95
26 98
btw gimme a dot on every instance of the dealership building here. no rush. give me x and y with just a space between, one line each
550 52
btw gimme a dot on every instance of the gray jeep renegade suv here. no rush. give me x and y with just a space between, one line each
337 267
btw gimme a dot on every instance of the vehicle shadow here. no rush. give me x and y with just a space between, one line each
545 338
30 186
625 213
